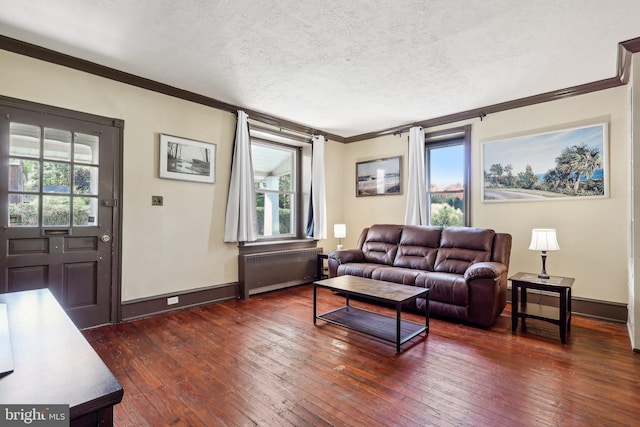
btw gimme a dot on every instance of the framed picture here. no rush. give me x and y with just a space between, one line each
380 177
564 164
187 159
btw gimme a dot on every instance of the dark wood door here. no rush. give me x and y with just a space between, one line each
56 217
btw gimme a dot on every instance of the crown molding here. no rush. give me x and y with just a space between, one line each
625 50
48 55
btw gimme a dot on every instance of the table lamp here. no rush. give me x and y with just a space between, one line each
339 232
544 239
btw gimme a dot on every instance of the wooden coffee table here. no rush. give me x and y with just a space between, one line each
387 328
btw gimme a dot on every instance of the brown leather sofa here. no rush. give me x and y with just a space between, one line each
465 268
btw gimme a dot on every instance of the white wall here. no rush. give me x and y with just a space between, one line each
179 246
165 249
593 234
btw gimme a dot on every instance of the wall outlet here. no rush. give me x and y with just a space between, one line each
157 201
172 300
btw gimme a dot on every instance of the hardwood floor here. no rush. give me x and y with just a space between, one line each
263 362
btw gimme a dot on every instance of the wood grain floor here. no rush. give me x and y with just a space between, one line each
263 362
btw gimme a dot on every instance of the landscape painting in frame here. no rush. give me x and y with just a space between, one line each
379 177
187 159
564 164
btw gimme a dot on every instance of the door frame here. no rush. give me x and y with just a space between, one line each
118 158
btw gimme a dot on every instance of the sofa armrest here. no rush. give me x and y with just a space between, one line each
343 256
484 270
487 292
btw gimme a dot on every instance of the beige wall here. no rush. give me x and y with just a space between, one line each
165 249
593 234
179 246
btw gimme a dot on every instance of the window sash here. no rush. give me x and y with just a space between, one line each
450 138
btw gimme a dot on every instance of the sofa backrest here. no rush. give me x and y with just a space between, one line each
501 251
379 243
449 249
418 247
462 246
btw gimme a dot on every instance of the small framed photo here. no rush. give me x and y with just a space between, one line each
382 177
187 159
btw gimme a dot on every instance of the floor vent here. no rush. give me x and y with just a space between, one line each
267 271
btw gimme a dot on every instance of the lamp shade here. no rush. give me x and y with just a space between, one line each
339 231
544 239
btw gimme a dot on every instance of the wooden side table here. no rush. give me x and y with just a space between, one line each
560 315
320 266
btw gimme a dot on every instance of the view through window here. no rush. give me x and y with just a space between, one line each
53 177
275 180
447 182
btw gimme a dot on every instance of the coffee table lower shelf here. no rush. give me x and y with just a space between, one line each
374 324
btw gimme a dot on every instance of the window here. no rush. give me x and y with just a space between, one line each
448 177
276 180
53 177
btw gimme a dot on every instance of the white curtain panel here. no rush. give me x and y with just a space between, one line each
318 209
416 213
241 219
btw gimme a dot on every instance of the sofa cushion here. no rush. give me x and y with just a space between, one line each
448 288
404 276
361 269
418 247
381 244
462 246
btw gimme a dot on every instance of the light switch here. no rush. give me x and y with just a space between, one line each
156 201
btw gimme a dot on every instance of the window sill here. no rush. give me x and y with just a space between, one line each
275 245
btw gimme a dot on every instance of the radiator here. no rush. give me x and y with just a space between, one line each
267 271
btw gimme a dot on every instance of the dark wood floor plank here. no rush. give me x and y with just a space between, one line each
263 362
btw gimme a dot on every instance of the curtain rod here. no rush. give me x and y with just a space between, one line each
279 132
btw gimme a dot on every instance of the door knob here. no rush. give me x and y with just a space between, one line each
105 238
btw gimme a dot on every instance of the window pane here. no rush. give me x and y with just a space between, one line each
275 214
446 168
447 208
24 140
85 211
85 180
23 210
272 167
56 177
57 144
56 210
86 148
24 175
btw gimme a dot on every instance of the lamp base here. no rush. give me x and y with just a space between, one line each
339 248
543 274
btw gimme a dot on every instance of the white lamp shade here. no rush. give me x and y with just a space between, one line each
339 231
544 239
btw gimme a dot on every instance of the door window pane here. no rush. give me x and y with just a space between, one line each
24 175
85 211
85 180
56 210
86 148
56 177
23 210
57 144
24 140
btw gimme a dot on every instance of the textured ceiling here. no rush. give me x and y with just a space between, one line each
344 67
